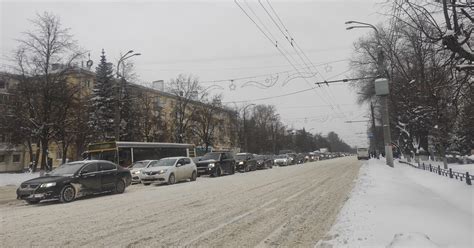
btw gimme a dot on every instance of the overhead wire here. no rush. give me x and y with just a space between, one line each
297 48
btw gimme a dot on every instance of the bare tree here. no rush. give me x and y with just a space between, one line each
44 58
453 30
208 120
186 89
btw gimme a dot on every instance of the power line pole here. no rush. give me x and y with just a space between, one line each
374 131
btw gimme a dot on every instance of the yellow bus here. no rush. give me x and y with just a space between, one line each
125 153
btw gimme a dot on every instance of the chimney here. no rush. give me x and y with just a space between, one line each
158 85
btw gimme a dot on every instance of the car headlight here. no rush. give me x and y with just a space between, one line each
47 185
211 165
162 171
241 162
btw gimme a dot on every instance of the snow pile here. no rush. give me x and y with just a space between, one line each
411 240
15 179
388 205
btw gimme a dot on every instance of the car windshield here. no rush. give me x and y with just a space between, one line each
67 169
214 156
140 164
165 162
281 156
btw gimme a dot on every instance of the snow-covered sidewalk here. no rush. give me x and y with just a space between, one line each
404 207
15 179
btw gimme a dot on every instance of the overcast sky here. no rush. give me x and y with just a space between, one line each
215 40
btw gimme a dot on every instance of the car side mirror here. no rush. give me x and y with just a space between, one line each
179 165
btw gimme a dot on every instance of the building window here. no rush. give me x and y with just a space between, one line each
2 158
3 84
16 158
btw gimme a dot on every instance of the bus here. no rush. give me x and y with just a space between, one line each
125 153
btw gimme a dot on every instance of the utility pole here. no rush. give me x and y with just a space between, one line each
374 131
381 89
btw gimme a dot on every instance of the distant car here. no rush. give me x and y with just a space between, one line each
137 168
169 171
300 158
72 180
292 158
216 164
264 162
245 162
362 153
282 160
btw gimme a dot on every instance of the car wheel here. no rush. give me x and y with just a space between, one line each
32 201
232 170
193 176
68 194
171 179
119 187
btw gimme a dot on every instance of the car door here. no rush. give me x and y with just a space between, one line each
108 175
224 163
180 170
89 178
188 167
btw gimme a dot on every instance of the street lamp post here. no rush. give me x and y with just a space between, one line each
120 90
245 132
381 89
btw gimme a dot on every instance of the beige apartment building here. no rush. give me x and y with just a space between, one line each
154 99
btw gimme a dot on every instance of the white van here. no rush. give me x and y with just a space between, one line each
362 153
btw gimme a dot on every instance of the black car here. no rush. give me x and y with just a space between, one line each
216 164
264 161
245 162
75 179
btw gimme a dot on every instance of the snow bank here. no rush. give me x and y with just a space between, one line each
15 179
388 205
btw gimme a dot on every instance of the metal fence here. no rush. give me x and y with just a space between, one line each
443 172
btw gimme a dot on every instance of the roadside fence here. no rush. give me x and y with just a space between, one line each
443 172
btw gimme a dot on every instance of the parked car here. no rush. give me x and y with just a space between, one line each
72 180
282 160
169 171
137 168
245 162
216 164
300 158
292 158
264 161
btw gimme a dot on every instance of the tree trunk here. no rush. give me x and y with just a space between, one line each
37 156
65 146
44 153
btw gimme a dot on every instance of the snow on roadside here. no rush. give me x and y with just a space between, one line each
404 207
15 179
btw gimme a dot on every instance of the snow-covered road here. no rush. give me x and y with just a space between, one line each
404 200
292 206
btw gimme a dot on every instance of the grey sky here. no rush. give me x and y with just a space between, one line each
215 40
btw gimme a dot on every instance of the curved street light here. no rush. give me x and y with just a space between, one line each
380 81
124 57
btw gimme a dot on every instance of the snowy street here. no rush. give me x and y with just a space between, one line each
403 200
284 206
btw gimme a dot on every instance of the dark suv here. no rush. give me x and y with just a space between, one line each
216 164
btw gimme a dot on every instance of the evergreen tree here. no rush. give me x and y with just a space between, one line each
102 102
